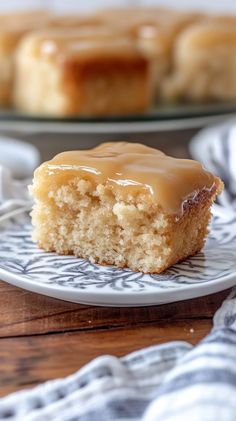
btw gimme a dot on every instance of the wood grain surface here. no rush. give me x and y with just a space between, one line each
43 338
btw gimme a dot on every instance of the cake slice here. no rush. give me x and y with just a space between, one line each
12 29
91 71
123 204
204 64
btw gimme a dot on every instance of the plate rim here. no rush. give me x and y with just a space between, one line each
186 292
113 127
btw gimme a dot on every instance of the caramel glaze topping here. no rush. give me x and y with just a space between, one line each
130 169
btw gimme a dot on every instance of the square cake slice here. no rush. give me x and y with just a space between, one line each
81 72
123 204
13 28
204 63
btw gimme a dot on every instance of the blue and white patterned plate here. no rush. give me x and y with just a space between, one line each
72 279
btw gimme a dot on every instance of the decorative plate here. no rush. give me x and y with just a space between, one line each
77 280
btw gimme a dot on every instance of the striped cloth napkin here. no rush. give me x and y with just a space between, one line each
219 156
169 382
14 197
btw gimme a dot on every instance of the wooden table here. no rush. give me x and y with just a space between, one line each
43 338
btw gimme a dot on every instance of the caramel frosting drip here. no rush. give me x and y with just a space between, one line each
132 168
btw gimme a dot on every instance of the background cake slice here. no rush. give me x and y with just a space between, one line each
204 63
88 72
13 27
123 204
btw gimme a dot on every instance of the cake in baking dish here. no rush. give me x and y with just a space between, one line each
86 71
123 204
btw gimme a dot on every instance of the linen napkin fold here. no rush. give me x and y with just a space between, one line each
173 381
14 197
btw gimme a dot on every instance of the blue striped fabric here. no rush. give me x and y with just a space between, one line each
173 381
219 157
